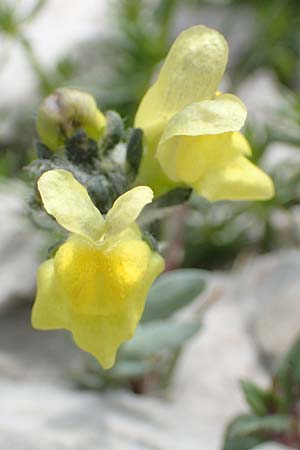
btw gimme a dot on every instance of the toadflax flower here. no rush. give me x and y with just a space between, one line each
191 131
97 282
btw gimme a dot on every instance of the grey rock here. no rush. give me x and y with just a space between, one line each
268 289
19 245
29 354
260 107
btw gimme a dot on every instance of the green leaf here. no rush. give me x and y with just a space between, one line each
258 399
172 291
125 370
248 431
156 337
287 378
175 197
251 424
244 443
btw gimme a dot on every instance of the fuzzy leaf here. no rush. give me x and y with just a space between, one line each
125 370
156 337
172 291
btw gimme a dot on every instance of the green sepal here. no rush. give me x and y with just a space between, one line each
114 132
80 150
43 152
134 152
150 240
174 197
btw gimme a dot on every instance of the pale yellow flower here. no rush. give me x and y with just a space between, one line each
192 132
66 111
97 283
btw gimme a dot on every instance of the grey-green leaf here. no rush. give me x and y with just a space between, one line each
244 443
172 291
156 337
250 424
287 378
257 398
125 370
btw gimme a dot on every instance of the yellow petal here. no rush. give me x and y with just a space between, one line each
126 209
102 335
241 180
215 166
226 113
97 292
49 311
98 279
223 114
192 72
240 143
68 201
188 158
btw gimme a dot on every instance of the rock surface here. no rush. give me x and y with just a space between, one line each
41 410
268 289
19 246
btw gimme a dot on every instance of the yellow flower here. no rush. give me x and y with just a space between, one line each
97 283
192 132
66 111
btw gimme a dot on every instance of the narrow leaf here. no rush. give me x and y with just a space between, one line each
251 424
257 398
157 337
287 378
125 370
172 291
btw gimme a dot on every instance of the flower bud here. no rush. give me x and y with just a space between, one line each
66 111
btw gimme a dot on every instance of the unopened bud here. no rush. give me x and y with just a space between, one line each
65 112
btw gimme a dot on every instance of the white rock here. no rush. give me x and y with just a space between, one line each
42 414
268 289
53 32
261 93
19 245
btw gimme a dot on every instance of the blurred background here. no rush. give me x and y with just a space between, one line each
247 252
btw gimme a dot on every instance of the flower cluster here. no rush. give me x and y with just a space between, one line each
97 283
